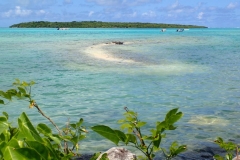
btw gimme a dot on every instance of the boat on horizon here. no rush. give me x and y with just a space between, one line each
62 28
163 30
180 30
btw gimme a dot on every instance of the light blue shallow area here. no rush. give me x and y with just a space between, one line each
196 70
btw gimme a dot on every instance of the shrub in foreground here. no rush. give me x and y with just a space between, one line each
28 142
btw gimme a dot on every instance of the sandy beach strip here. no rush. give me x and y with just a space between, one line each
97 51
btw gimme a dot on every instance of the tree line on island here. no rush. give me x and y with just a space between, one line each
98 24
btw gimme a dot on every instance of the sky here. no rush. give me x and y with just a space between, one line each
209 13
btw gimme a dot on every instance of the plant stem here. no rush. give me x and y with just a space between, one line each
40 111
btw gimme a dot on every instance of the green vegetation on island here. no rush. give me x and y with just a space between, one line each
98 24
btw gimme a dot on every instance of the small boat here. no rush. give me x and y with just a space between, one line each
62 28
163 30
180 30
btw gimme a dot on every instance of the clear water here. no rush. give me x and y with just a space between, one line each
195 70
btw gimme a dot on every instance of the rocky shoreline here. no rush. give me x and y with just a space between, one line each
206 152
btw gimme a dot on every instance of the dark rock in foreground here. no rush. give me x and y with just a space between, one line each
204 151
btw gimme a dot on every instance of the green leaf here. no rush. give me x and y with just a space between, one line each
7 96
24 84
17 82
121 121
81 137
170 113
1 93
32 83
130 119
42 150
5 136
95 156
27 130
4 125
140 124
79 123
171 127
175 118
1 101
180 149
132 113
148 138
121 135
5 114
157 141
104 157
3 145
11 153
13 132
125 125
44 129
74 140
15 143
3 119
51 147
73 125
12 92
55 139
172 116
106 132
161 126
217 157
131 138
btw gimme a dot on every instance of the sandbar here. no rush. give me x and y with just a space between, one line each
97 51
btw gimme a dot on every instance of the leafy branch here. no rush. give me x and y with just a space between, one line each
147 144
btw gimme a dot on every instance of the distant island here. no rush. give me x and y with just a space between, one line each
98 24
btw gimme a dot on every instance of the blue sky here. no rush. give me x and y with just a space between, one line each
210 13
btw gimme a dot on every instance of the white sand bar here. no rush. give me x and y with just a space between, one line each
97 51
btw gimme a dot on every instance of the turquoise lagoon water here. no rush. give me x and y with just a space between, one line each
195 70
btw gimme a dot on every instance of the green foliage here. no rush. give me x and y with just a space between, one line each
22 90
103 157
28 142
174 150
230 148
99 24
147 144
106 132
24 142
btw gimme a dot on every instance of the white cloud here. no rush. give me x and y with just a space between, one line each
105 2
149 14
232 5
174 5
19 12
134 14
40 12
124 3
91 13
22 12
200 15
16 12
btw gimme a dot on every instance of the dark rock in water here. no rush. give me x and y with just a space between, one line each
83 157
203 151
117 42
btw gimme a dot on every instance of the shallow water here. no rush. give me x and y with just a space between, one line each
195 70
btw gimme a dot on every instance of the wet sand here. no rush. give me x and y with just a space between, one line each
97 51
